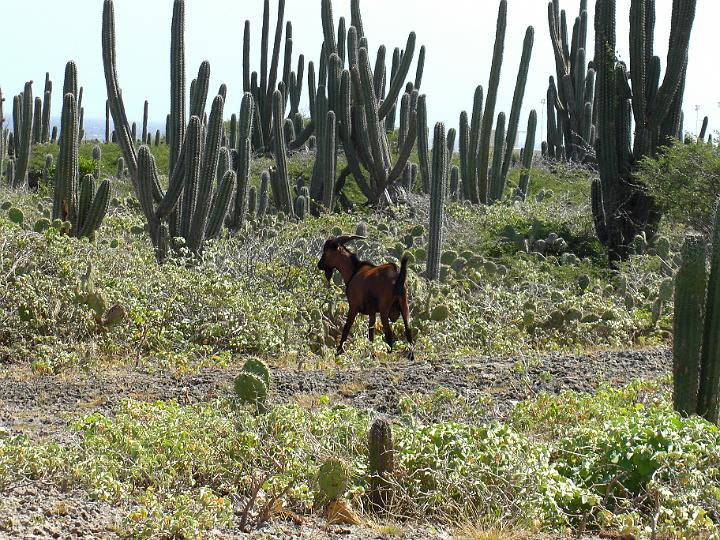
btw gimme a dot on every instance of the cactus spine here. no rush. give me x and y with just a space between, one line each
437 200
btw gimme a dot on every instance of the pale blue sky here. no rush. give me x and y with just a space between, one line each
41 35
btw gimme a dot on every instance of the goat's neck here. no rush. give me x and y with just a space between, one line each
347 267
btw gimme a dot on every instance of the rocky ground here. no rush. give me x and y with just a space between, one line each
41 406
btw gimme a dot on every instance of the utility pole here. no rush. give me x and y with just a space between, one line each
697 120
542 117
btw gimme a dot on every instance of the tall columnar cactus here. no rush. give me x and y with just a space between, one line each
622 208
37 121
244 151
475 131
480 193
192 207
22 140
46 110
145 122
329 162
689 319
527 158
571 106
517 101
76 200
437 201
368 144
496 186
381 452
263 87
422 144
280 176
696 348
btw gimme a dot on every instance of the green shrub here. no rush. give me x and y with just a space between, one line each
685 181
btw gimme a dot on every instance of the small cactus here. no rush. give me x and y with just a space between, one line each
381 463
259 368
252 390
333 479
16 215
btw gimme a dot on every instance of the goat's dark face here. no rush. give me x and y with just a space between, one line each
333 252
327 261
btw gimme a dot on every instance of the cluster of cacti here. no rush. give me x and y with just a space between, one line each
279 175
696 347
480 182
196 204
252 384
571 132
622 208
75 200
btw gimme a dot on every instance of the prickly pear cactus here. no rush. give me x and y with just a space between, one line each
252 390
333 478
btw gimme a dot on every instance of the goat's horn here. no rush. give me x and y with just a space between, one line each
348 238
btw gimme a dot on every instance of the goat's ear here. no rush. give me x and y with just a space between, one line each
342 240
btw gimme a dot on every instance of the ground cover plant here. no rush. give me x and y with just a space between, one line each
168 364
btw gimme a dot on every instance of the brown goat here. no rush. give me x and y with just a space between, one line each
370 289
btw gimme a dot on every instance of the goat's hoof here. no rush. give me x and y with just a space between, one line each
411 356
340 351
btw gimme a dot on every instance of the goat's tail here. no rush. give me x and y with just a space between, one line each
402 276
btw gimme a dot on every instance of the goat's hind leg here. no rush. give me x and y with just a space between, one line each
405 312
371 327
346 329
389 338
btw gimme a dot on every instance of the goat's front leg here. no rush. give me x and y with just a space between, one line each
371 328
389 338
346 329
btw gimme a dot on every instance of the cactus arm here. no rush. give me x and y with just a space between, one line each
398 81
518 99
211 153
405 150
329 162
221 204
98 209
117 107
677 60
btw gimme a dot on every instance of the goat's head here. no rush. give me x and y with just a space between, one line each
333 251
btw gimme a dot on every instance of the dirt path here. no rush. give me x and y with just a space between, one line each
40 407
